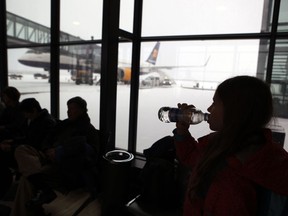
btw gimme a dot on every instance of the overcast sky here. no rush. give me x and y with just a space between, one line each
84 18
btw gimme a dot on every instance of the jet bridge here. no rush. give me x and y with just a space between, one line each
23 31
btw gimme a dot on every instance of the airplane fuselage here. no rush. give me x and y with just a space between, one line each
42 60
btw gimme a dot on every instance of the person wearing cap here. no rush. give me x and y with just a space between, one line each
71 151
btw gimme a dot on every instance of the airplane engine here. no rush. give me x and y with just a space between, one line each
124 75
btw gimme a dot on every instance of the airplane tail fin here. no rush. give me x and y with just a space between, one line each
154 54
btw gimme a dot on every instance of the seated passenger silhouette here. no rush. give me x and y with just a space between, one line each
66 162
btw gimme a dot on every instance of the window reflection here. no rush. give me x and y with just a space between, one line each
80 76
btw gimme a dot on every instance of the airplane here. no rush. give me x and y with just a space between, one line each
82 62
86 60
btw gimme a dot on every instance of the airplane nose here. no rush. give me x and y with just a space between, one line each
22 61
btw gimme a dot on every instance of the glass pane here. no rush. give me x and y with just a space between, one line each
81 19
279 84
189 17
27 73
126 15
188 72
79 76
283 16
123 95
27 24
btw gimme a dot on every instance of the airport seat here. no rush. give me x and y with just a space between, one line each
93 172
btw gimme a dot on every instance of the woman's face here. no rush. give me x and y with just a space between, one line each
216 116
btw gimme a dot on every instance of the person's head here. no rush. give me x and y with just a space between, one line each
77 106
241 107
241 102
10 96
30 107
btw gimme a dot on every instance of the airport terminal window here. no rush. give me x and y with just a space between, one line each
186 17
28 25
30 81
172 78
123 94
80 77
189 72
126 15
31 24
283 16
279 83
83 20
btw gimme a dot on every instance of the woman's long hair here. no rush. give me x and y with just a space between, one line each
247 103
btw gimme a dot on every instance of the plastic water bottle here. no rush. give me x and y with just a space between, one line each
191 116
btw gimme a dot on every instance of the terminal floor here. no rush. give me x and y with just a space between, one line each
66 205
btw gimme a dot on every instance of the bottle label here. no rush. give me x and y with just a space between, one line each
174 114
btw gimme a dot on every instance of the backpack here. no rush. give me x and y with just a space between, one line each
158 183
157 178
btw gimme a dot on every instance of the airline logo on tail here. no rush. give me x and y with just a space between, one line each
154 54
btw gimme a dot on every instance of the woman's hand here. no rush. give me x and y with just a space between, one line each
183 125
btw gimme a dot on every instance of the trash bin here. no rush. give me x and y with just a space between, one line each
115 179
119 157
